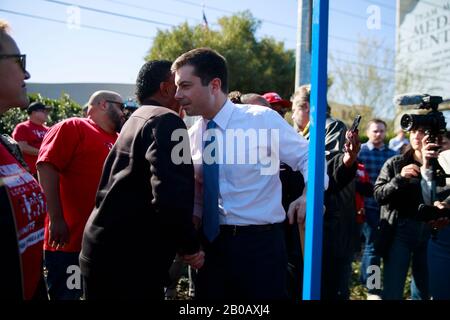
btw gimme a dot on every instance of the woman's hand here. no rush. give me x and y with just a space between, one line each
409 171
429 151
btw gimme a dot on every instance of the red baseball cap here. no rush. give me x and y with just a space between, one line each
273 97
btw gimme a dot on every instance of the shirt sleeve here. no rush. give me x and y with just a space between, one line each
293 149
59 144
172 183
20 133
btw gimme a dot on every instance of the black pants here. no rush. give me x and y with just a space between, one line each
336 264
113 282
250 264
295 262
114 289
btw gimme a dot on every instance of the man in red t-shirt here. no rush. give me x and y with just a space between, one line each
29 134
69 166
22 202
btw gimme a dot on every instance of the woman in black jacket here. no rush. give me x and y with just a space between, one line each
398 191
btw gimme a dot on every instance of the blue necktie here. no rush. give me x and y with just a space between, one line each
210 190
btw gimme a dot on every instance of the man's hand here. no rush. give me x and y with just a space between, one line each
195 260
58 233
409 171
351 148
297 209
197 221
49 179
27 149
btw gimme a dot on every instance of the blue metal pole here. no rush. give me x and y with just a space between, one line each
314 196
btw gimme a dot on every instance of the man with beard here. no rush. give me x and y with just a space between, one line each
69 165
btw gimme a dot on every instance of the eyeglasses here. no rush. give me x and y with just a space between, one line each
20 59
121 105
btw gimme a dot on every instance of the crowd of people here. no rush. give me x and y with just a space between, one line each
126 197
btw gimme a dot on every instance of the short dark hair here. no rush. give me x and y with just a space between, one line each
208 64
150 77
376 121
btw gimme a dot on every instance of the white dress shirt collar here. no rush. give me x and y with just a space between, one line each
223 116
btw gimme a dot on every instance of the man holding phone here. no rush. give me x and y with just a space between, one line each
340 229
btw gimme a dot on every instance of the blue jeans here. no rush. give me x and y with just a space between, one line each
57 276
369 258
439 265
410 243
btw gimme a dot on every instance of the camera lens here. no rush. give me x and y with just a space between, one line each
407 122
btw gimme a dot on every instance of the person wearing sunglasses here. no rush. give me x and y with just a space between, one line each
22 201
69 166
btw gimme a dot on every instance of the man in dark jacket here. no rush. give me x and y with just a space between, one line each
144 204
340 230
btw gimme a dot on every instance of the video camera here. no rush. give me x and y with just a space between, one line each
433 122
428 213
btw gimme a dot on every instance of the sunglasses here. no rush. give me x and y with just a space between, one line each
20 59
121 105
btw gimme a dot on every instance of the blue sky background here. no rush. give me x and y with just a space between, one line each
57 53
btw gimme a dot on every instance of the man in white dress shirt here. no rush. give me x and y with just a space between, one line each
236 152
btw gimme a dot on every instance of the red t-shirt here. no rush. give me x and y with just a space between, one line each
29 206
33 134
363 177
78 148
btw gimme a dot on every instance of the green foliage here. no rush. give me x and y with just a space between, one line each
254 65
359 292
10 119
63 108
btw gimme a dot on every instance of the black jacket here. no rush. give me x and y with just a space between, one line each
340 233
340 229
397 196
144 204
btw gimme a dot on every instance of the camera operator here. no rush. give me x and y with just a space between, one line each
399 193
439 244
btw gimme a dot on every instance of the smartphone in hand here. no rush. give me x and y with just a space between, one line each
355 124
354 130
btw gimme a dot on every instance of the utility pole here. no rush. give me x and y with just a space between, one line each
303 48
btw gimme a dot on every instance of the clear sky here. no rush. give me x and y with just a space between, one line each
57 52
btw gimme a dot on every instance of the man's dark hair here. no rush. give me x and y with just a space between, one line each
150 77
376 121
207 63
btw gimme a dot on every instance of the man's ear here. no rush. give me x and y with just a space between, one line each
163 89
216 85
103 104
308 107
